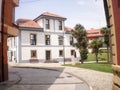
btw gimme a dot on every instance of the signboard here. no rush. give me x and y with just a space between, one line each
0 18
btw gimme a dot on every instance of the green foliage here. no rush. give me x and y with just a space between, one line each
84 53
106 32
95 45
79 33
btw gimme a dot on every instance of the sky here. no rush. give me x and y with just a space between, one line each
89 13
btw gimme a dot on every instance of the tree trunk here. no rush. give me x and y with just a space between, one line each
96 57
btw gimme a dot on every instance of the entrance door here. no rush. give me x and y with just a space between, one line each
48 55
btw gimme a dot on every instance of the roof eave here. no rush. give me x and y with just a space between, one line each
45 16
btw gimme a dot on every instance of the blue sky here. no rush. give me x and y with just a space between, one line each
89 13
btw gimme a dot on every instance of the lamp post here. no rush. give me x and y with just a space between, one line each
64 47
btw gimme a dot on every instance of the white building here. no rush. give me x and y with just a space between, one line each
44 39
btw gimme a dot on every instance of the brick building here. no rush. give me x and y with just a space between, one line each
7 29
112 10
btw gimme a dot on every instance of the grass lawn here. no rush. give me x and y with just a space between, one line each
103 67
91 57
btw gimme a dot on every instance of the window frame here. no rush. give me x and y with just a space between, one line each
61 53
72 52
47 40
60 40
71 40
32 53
34 38
60 25
47 23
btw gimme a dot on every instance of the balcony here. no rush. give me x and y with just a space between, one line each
16 2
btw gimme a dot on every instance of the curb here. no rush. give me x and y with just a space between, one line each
90 87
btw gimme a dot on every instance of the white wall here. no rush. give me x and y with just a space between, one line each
41 47
24 47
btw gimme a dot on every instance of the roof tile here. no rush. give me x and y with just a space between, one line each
27 23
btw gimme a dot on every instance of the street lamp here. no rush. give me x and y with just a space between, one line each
64 47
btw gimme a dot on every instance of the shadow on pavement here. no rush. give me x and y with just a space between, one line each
33 78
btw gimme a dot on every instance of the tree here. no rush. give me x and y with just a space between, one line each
106 33
79 33
95 45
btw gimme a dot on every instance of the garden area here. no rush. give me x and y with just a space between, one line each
90 63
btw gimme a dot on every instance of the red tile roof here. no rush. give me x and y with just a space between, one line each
94 33
68 28
49 14
27 23
52 14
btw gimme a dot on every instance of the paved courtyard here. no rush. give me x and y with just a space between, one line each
42 79
55 77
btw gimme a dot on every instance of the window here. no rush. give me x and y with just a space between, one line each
33 53
47 39
33 39
60 38
47 24
71 40
72 52
61 53
60 25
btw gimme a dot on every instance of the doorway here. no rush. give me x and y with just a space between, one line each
48 55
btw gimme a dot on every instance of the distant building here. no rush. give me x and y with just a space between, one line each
44 39
92 35
112 9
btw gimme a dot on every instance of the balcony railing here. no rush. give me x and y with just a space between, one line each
16 2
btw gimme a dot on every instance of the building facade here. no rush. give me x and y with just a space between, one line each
113 18
7 29
44 39
92 35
